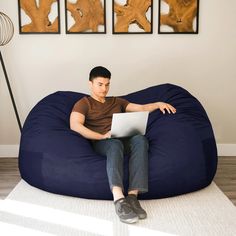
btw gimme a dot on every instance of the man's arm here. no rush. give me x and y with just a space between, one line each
77 124
151 107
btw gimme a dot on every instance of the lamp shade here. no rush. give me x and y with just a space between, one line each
6 29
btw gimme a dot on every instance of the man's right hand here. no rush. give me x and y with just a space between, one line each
107 135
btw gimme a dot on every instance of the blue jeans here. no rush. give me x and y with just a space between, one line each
114 149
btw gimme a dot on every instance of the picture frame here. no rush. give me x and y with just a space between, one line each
34 13
93 22
178 17
125 20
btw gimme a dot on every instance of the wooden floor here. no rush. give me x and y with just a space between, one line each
225 177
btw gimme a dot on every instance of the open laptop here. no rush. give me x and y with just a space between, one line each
129 124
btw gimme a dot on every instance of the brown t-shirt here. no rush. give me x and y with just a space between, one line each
98 115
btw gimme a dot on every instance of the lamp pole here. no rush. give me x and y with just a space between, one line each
11 94
6 33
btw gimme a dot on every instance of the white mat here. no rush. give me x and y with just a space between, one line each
30 211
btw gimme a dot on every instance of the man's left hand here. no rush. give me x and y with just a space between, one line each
166 106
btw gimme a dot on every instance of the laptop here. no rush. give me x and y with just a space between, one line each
129 124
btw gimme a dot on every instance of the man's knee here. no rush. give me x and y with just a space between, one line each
116 145
139 140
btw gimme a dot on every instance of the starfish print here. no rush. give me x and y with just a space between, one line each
134 11
88 15
39 16
181 15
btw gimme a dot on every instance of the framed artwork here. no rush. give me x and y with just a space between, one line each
85 16
132 16
39 16
178 16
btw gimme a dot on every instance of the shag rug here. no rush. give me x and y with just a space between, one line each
31 211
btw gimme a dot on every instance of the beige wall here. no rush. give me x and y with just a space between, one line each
204 64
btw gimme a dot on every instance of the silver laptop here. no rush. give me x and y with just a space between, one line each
129 124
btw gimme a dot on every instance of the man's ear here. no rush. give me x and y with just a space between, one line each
90 83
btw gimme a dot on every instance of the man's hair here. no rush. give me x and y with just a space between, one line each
99 71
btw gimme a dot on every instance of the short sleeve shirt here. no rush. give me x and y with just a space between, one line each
98 115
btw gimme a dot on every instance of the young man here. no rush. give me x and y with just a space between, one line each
91 117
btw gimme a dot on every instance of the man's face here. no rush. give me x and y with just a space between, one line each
100 87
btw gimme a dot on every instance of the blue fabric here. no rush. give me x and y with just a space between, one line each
182 148
114 149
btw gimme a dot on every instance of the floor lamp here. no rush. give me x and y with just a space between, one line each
6 34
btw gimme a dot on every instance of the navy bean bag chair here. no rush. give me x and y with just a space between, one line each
182 152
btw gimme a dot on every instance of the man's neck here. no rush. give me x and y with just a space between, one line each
102 100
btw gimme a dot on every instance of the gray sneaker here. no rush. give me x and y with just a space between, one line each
125 211
133 201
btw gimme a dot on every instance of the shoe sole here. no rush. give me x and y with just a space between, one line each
142 217
130 221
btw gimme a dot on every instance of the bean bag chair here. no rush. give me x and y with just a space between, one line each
182 148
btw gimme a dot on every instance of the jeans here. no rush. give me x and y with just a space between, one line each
114 149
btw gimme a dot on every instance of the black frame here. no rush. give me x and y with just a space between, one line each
113 22
197 22
59 21
86 32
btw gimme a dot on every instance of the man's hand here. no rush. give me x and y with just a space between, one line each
107 135
162 106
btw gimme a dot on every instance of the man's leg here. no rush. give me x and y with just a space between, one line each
138 164
114 150
138 172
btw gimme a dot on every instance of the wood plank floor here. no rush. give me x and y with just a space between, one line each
225 177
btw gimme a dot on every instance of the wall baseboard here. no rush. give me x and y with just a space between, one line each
226 149
9 151
13 150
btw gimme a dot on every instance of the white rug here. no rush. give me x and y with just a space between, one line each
30 211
